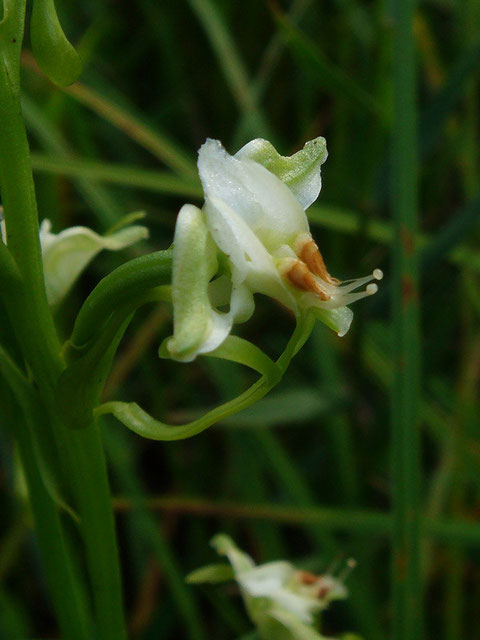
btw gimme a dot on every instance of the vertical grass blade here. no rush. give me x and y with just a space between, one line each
406 623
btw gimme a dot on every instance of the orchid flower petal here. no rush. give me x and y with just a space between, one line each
267 205
66 254
265 580
194 264
251 261
338 319
300 172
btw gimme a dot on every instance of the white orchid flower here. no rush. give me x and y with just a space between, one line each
281 600
66 254
254 219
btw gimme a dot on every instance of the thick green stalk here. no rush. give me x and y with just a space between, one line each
98 531
80 454
18 195
406 621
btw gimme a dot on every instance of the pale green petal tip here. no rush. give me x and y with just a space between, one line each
300 172
339 320
223 544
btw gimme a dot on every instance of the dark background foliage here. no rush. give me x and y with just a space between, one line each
304 474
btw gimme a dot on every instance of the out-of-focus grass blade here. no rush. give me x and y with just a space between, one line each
367 522
121 458
333 79
329 375
441 106
351 223
14 621
49 137
268 63
159 181
231 64
131 124
461 223
147 136
289 407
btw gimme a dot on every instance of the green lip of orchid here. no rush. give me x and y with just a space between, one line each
254 221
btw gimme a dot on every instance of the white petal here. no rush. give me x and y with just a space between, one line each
300 172
265 580
194 264
301 605
219 329
242 304
251 261
66 254
242 307
267 206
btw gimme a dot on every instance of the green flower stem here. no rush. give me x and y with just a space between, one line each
80 454
18 195
407 592
98 531
139 421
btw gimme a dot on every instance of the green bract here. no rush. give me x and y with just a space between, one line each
252 236
55 55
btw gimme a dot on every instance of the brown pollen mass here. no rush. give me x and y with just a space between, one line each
302 278
305 577
309 252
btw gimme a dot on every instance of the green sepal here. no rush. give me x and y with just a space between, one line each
211 574
300 172
55 55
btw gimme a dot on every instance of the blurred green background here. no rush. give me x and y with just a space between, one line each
306 473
